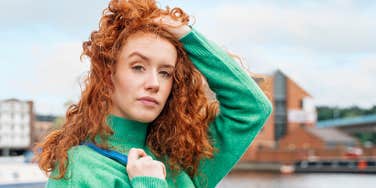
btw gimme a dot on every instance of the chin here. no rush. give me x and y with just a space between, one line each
146 118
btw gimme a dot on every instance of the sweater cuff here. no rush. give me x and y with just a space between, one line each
197 45
187 36
148 182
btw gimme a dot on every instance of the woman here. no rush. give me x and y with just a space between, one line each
145 98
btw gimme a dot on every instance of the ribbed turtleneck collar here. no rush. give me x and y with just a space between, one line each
127 133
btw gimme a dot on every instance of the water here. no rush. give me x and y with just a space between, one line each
24 185
269 180
263 180
14 173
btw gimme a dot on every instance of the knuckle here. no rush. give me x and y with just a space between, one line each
159 164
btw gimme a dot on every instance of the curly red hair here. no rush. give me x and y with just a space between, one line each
179 132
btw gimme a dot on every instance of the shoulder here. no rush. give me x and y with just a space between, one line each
79 151
79 155
84 162
87 168
85 157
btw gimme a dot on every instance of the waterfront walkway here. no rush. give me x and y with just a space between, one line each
13 170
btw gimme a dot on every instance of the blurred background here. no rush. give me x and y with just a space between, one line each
316 59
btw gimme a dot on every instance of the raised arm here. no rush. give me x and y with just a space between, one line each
243 107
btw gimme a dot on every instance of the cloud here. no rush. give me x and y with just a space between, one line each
326 27
328 47
56 77
346 84
60 68
67 16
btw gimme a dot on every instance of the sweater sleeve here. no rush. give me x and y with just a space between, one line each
243 107
148 182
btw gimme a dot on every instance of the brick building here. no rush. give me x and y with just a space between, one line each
316 138
292 108
42 126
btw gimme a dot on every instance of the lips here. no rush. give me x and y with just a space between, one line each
149 101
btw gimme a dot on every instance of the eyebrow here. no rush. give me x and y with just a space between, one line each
138 54
148 59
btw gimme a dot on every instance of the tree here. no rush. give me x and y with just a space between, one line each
327 112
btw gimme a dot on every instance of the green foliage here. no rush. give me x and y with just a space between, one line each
327 112
366 137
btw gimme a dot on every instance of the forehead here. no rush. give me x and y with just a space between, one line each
151 46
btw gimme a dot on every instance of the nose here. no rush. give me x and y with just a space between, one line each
152 82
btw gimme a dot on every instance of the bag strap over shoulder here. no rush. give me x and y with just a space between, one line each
114 155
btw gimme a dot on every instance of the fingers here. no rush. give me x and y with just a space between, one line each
141 164
146 158
163 167
135 154
176 27
167 20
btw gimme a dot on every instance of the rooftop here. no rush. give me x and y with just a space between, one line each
341 122
331 135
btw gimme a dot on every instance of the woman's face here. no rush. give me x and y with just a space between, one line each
143 77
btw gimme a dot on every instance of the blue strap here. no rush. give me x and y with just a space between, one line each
119 157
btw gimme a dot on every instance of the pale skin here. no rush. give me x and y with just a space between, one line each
153 83
141 164
143 78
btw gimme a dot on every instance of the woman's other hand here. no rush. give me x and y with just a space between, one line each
140 164
176 27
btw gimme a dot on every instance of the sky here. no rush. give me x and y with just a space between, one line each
328 47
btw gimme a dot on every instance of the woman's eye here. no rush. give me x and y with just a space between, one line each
138 68
165 74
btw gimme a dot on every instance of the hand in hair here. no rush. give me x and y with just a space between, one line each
174 26
140 164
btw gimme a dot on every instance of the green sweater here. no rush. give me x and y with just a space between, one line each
243 111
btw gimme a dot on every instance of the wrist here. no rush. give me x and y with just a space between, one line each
181 31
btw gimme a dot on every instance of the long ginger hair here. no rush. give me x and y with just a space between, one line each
178 134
